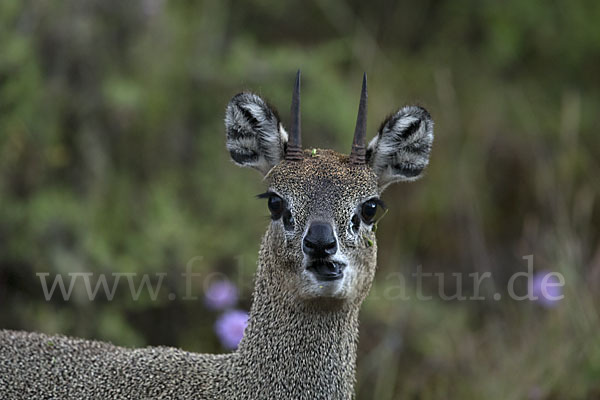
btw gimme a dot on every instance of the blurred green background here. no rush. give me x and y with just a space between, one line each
112 159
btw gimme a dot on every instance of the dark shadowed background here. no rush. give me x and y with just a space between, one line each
113 160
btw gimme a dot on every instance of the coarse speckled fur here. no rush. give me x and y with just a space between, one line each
302 336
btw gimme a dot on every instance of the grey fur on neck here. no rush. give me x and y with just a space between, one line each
296 349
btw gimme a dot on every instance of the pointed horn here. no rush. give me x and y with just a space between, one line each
294 146
358 153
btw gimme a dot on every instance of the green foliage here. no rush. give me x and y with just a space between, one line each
112 159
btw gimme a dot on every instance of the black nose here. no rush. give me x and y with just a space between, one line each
319 241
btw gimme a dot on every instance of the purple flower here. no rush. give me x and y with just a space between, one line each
220 295
547 287
230 327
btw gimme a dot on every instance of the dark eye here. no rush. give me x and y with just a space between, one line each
368 211
276 205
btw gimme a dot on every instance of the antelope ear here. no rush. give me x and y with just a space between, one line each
255 136
400 151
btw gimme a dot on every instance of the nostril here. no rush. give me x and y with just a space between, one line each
330 250
309 244
329 245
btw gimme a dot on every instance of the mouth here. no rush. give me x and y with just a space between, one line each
326 270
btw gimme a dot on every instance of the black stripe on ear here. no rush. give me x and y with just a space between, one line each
390 124
420 149
407 171
410 130
249 117
243 158
406 132
238 132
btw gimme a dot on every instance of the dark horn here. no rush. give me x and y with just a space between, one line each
294 146
358 153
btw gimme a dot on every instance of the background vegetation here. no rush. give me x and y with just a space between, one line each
112 159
